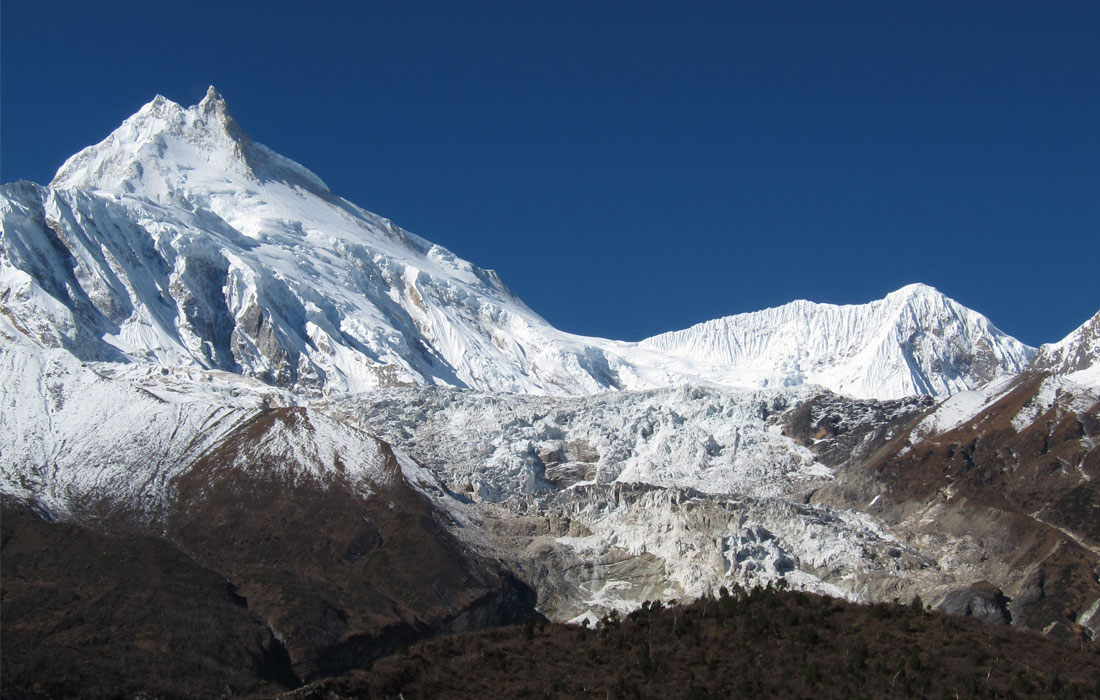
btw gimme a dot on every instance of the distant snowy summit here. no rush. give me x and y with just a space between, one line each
178 242
915 341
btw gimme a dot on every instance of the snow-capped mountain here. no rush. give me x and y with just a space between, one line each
915 341
179 241
373 440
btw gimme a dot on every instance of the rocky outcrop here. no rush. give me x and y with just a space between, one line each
982 600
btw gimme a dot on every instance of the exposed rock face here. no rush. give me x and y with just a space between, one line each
998 486
594 548
982 600
319 529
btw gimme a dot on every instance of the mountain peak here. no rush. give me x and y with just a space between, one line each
213 101
159 103
158 150
216 115
165 151
916 289
264 272
916 340
919 298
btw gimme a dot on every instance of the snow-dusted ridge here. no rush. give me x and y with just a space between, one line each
179 241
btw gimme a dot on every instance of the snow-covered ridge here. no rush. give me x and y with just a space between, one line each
76 433
915 341
180 242
1076 355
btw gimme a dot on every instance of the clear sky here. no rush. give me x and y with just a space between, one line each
636 167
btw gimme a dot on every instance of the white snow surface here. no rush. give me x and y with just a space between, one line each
180 242
961 408
72 435
312 446
1090 376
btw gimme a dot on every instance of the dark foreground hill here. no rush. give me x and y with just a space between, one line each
88 615
251 587
766 644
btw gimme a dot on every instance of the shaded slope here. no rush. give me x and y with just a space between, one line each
89 615
304 528
319 528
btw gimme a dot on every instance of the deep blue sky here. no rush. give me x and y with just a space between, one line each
635 167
